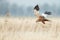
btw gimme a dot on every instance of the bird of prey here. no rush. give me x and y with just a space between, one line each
41 18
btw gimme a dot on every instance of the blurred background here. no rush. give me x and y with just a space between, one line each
19 8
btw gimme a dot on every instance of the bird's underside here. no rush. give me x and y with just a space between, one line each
41 19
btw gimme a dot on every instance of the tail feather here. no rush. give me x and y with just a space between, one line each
46 20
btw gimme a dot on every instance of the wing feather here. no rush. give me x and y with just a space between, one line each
45 15
36 11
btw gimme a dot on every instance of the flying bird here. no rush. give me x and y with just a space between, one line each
41 18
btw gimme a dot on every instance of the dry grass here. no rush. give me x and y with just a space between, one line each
28 29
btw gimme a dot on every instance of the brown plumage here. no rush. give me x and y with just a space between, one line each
40 18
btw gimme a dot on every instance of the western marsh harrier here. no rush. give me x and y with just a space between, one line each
41 18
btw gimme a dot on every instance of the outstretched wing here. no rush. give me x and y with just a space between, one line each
46 14
36 10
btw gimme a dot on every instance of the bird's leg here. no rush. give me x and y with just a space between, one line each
43 22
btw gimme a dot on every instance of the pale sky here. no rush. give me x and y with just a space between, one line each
34 2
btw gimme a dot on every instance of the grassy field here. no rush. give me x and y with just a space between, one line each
28 29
